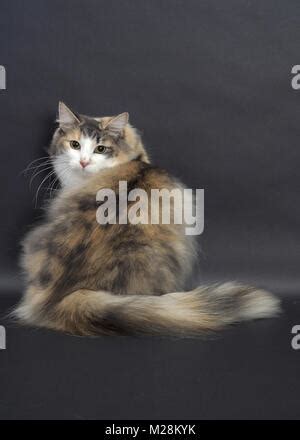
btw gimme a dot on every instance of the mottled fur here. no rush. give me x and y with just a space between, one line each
88 279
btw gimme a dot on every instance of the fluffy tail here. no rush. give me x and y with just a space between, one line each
204 309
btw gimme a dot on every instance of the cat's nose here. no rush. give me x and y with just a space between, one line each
84 163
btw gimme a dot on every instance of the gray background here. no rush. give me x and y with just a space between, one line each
209 85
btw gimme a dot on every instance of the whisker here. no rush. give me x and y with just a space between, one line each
37 173
47 162
63 172
39 166
52 188
35 160
47 167
37 192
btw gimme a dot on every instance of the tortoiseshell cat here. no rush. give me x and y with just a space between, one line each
88 279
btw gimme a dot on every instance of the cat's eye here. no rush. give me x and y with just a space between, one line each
75 145
100 149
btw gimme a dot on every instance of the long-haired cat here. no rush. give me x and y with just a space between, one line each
90 279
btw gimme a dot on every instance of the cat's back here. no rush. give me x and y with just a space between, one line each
135 174
135 258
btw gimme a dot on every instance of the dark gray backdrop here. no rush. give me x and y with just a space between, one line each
209 85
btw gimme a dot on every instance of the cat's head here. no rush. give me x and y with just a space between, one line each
84 145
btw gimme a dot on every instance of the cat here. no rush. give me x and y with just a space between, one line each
84 278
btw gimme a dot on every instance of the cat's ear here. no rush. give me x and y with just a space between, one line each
116 125
66 116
